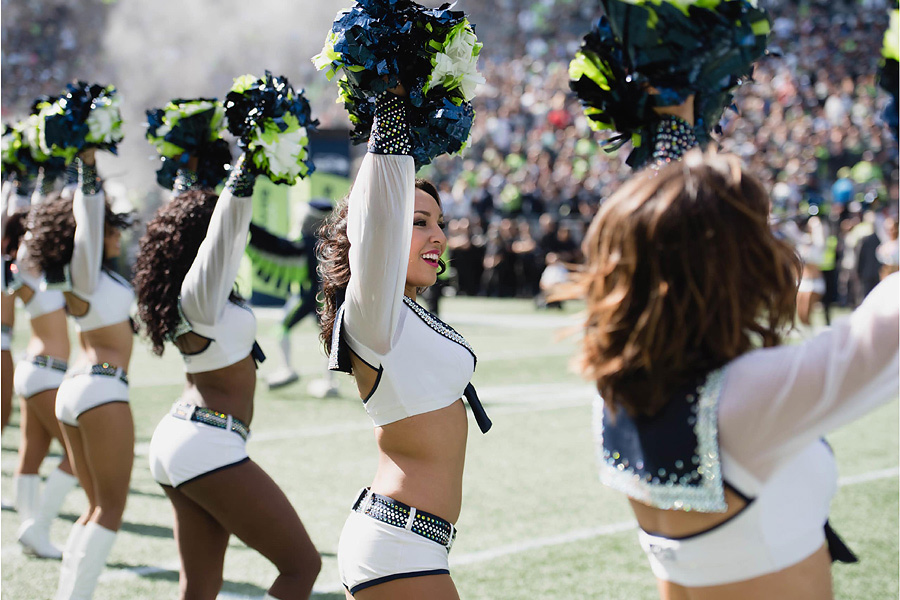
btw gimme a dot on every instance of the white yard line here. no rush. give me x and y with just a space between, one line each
505 399
175 376
479 556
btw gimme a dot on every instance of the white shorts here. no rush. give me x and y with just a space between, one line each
371 552
34 375
81 393
181 451
816 286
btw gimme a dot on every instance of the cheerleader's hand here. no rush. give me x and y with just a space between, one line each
398 90
684 111
87 156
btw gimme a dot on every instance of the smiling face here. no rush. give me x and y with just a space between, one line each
428 241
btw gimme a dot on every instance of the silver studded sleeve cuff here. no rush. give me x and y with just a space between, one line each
185 180
89 180
390 130
241 181
46 183
674 136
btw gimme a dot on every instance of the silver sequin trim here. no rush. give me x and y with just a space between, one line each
439 326
662 492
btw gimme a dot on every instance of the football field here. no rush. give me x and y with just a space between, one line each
535 523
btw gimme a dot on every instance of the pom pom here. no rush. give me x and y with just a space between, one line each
185 128
378 44
674 48
21 152
272 122
10 146
86 116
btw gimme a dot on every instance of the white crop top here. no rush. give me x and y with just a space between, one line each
428 367
423 364
108 294
206 309
42 301
770 410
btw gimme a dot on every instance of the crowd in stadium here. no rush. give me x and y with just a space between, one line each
534 174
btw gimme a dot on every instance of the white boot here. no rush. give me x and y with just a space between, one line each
92 552
28 495
69 562
34 534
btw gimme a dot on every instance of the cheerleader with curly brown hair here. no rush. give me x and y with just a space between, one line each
184 279
70 241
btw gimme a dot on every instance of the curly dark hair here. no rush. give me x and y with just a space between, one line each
51 225
13 231
683 275
166 252
333 252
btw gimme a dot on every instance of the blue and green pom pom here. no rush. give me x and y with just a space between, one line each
272 122
433 52
651 53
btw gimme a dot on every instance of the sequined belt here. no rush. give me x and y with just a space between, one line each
105 370
49 362
191 412
390 511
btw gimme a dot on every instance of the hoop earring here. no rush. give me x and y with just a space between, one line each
442 266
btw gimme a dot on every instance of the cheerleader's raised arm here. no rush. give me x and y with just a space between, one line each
209 281
379 226
89 208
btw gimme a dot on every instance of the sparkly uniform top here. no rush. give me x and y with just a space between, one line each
755 426
670 460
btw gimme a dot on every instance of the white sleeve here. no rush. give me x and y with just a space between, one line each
87 252
379 226
776 400
209 281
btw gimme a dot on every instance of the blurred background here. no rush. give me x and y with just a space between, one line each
533 175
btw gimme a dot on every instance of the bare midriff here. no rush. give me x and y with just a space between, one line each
227 390
49 335
7 310
421 460
110 344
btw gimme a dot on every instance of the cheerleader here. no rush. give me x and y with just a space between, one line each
70 242
37 378
412 370
184 278
718 445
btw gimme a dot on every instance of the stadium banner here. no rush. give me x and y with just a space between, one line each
279 208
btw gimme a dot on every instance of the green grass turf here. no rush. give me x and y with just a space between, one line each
535 524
